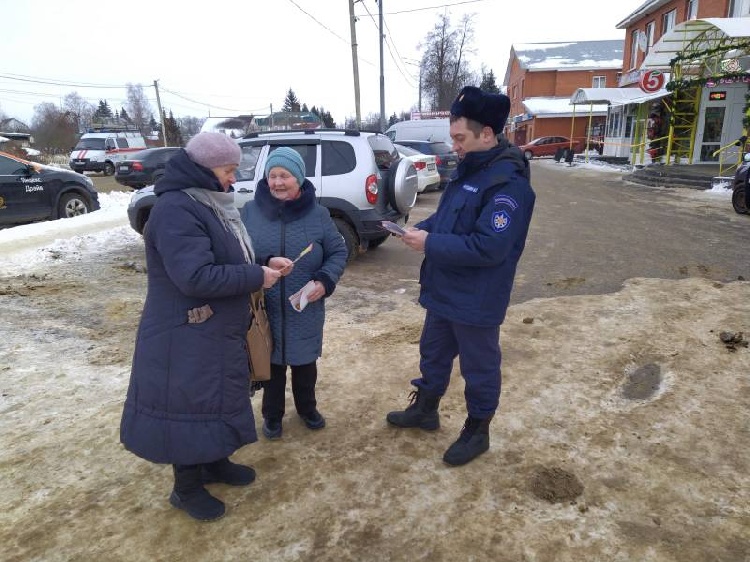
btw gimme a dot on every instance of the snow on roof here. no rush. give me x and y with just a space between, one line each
570 56
614 96
559 107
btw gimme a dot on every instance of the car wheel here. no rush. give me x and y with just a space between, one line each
372 244
528 154
738 200
72 205
402 186
109 169
350 238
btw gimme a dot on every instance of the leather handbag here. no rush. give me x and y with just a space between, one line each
259 339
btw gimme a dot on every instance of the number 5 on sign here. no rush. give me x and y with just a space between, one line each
652 81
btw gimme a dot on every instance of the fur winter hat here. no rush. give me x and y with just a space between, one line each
485 108
290 160
213 150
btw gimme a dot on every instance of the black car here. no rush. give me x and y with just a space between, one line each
447 160
740 189
144 167
31 192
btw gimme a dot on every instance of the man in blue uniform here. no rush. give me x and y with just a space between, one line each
471 244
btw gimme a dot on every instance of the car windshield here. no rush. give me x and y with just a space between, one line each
440 148
90 144
405 150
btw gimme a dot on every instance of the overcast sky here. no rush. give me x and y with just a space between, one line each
230 57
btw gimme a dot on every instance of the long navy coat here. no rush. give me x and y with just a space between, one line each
188 401
285 228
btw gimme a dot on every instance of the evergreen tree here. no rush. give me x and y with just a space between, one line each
172 130
488 82
103 113
124 115
291 103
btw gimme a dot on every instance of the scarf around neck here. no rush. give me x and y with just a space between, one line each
222 204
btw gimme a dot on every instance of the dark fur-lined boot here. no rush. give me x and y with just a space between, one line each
473 441
422 412
190 495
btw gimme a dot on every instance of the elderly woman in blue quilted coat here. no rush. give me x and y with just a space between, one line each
188 402
283 219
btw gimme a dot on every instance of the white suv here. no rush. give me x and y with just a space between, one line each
358 176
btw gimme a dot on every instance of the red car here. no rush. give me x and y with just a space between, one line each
548 146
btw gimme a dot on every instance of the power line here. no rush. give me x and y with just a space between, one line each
408 79
433 7
49 81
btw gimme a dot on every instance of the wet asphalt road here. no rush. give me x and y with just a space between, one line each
592 231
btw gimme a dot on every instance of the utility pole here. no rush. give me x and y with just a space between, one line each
161 112
355 63
382 78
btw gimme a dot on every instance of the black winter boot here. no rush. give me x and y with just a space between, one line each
422 412
190 495
225 471
473 441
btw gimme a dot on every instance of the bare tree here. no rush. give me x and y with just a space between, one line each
444 63
81 110
189 126
138 108
55 130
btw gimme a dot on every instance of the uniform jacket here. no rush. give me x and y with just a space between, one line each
188 400
476 237
285 228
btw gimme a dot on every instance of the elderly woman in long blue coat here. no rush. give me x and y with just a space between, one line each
285 219
188 401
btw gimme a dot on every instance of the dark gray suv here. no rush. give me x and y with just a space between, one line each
358 176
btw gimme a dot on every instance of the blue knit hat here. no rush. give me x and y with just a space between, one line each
213 150
290 160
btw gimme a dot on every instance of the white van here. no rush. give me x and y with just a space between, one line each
421 129
100 150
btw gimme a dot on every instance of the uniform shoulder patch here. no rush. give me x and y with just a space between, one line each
500 220
506 200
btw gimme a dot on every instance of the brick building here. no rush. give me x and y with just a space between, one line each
541 78
688 62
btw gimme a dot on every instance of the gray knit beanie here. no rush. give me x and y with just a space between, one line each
213 150
290 160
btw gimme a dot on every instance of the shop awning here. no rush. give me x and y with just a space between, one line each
558 107
695 36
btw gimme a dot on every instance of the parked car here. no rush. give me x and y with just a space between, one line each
740 186
428 177
358 176
445 158
98 150
31 192
145 167
421 129
548 146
